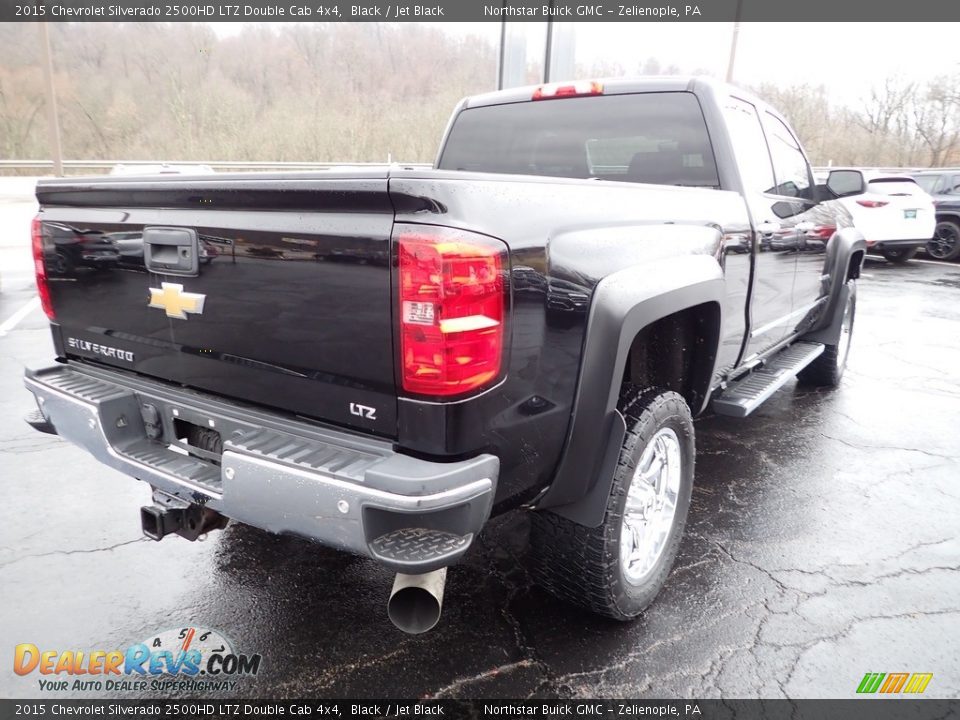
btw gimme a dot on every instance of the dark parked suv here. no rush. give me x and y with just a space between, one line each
944 185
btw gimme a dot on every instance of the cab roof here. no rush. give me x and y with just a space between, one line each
619 86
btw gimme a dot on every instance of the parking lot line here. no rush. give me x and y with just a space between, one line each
932 262
27 308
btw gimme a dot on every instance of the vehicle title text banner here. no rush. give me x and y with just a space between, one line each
854 11
892 709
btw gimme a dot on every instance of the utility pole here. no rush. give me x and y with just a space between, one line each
53 121
502 54
733 41
548 48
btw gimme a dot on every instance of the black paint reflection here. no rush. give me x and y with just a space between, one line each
69 250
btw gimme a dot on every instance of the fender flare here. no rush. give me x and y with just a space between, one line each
844 245
623 304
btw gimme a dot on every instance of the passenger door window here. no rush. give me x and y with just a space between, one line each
789 165
771 299
750 146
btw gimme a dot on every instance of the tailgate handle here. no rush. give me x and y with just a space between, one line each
171 251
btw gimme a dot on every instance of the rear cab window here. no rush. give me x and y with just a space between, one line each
659 138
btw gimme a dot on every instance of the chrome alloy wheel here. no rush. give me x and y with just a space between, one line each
650 506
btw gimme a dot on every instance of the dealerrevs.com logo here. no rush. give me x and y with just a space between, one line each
894 683
189 658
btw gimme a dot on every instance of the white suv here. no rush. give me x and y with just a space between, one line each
894 214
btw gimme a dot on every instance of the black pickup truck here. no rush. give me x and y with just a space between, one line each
382 359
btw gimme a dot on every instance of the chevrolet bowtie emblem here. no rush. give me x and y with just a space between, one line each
177 303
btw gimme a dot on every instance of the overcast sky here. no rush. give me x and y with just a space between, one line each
847 58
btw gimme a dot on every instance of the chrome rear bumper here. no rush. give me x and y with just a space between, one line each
345 490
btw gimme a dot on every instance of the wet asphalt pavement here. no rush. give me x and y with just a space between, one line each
822 544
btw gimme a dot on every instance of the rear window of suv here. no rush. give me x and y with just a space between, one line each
658 138
894 186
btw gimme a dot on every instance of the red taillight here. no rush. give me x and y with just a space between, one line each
40 270
561 90
872 203
824 232
452 299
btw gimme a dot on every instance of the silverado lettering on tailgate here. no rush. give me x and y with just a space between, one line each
96 349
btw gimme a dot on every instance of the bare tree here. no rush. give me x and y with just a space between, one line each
885 116
359 91
936 119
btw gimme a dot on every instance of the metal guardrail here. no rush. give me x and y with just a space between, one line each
254 165
241 165
888 169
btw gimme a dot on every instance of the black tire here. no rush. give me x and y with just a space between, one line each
945 244
827 369
899 256
581 564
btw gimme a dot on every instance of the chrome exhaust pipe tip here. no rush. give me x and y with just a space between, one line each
416 600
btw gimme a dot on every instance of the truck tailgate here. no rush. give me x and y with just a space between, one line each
289 304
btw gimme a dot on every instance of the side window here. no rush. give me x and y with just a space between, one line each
953 187
749 145
789 165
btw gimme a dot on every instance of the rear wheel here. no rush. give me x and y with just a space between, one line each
617 569
945 244
899 255
828 368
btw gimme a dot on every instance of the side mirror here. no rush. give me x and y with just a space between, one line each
843 183
784 209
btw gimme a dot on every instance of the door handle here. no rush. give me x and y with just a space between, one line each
171 251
